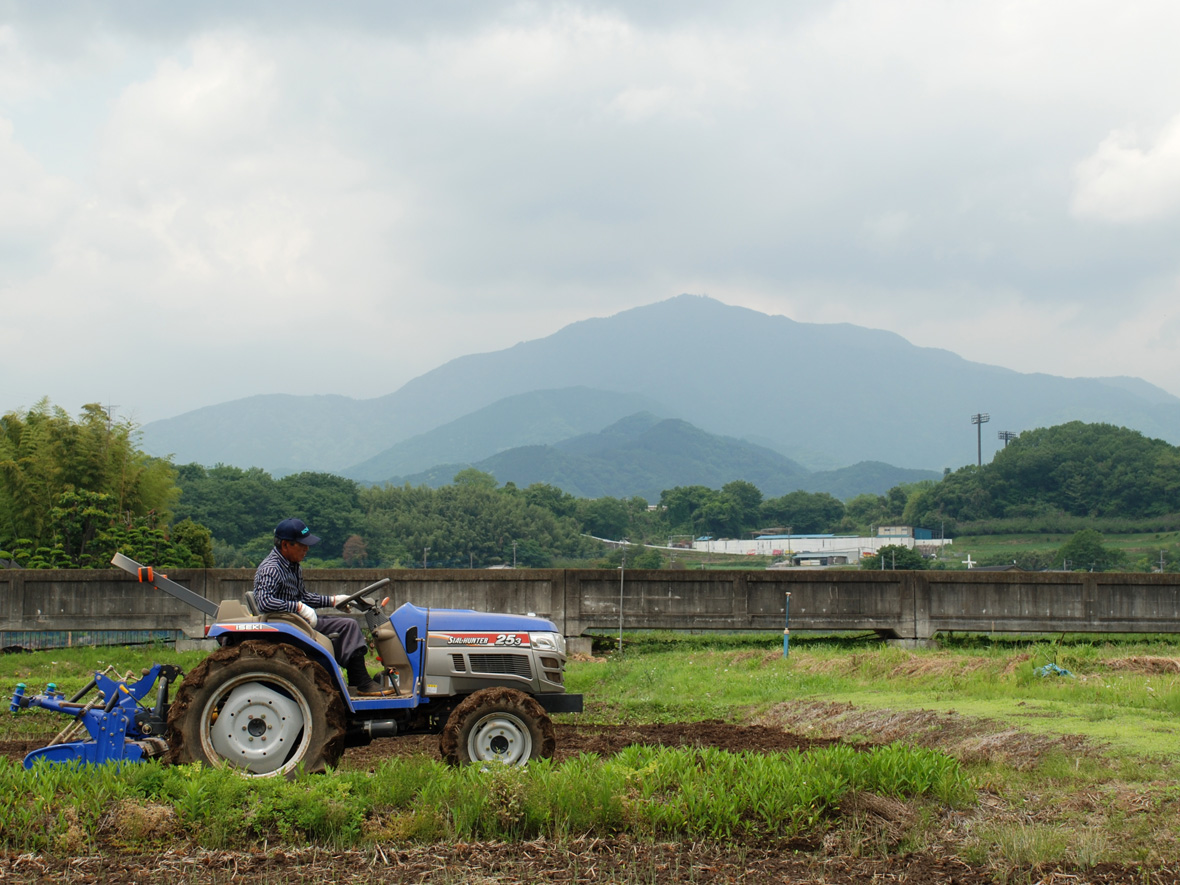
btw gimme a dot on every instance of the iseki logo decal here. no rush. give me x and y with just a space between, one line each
242 628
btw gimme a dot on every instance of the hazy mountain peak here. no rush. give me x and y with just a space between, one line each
825 395
1139 388
537 417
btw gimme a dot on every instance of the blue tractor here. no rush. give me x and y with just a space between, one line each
272 700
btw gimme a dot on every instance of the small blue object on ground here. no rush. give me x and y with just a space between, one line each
1053 670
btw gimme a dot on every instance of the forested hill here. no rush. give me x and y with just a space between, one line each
643 455
1075 469
825 396
72 493
640 455
537 418
867 477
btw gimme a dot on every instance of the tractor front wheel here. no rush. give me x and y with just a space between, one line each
497 725
262 708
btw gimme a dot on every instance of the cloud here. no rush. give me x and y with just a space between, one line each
1126 181
382 187
33 199
215 190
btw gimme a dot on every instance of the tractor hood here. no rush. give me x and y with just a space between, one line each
467 620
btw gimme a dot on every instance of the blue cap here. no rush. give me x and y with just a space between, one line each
295 530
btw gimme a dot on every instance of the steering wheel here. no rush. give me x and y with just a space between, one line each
343 605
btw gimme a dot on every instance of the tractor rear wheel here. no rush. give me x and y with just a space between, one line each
497 725
263 708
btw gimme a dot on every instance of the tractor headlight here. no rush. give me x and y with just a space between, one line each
548 642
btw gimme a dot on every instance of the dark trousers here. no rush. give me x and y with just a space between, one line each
348 639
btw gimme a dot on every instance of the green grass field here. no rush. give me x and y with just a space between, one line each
1067 766
1000 548
998 764
1141 549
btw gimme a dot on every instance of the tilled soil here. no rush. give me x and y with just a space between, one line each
591 860
572 740
619 860
606 740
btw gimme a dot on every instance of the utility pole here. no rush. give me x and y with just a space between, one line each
979 419
622 571
1007 436
425 550
514 554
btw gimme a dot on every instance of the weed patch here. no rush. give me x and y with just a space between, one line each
1146 664
657 791
847 750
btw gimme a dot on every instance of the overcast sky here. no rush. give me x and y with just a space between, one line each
205 201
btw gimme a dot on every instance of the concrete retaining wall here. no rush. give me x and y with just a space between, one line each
905 605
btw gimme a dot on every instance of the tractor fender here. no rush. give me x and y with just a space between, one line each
287 633
281 631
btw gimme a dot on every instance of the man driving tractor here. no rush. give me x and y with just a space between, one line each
279 587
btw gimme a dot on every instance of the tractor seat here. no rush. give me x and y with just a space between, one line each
293 619
252 605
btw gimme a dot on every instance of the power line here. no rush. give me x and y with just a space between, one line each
979 419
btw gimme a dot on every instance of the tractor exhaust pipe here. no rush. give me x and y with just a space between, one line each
362 734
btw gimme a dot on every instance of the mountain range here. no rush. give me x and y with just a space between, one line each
644 455
820 396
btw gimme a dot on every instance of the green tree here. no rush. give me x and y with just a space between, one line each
746 498
649 558
82 523
682 507
720 518
553 499
528 554
604 517
865 511
632 557
239 506
67 487
88 532
1077 469
43 452
470 476
1086 552
242 507
804 512
145 541
195 538
731 512
464 525
328 503
894 556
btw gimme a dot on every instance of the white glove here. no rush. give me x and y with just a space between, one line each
308 614
336 600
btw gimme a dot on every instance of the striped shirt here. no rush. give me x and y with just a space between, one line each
278 586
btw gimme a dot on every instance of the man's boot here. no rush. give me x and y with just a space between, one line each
359 678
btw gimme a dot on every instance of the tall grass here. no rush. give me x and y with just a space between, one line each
669 677
652 791
1121 695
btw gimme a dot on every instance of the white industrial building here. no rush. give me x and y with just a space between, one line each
823 549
